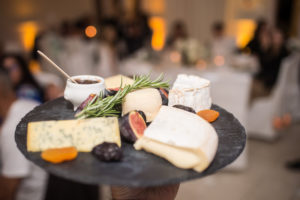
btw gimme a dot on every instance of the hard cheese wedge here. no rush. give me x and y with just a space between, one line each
115 81
147 100
183 138
84 134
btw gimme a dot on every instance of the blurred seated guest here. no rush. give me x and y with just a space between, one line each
51 44
270 62
178 31
190 49
221 45
261 42
19 179
79 53
136 34
107 62
23 81
278 52
52 84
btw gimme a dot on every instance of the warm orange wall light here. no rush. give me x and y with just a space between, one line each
158 26
245 30
90 31
28 31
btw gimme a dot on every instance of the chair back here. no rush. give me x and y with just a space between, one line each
286 93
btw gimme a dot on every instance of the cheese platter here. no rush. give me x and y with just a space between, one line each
133 135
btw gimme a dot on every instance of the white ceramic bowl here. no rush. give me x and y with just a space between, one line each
77 93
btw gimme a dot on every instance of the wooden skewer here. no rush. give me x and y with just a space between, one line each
56 66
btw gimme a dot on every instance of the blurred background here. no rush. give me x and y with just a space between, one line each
248 49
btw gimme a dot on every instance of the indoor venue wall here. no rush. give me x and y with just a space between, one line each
39 13
199 18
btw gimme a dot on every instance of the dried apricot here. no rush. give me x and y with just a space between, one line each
58 155
208 115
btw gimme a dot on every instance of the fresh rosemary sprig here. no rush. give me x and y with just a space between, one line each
110 106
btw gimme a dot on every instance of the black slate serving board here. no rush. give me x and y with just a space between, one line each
138 168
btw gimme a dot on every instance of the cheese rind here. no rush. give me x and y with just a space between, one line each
191 91
181 137
84 134
147 100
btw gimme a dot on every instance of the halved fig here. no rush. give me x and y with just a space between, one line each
132 126
164 93
186 108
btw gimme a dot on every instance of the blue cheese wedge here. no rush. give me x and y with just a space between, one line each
183 138
191 91
83 134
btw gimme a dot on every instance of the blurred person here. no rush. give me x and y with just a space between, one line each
178 31
259 46
79 54
278 52
189 48
270 62
221 45
107 56
23 81
65 29
260 42
19 179
136 34
51 44
52 85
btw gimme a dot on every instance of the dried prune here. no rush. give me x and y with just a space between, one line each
108 152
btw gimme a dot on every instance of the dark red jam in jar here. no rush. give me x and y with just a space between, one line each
85 81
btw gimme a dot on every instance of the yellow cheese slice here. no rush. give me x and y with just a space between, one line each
115 81
84 134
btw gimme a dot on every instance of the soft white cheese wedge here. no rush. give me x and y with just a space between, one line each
183 138
191 91
147 100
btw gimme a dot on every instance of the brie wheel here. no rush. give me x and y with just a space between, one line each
191 91
183 138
